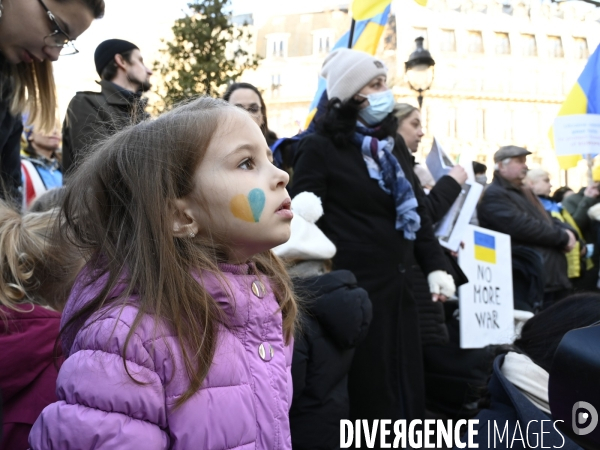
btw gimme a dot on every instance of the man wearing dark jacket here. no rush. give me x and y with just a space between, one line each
509 207
92 116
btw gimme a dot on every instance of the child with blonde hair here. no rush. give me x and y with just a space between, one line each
35 276
178 331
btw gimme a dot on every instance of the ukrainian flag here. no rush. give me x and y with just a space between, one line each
367 34
584 98
485 247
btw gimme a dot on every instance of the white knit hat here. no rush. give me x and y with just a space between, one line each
307 241
348 71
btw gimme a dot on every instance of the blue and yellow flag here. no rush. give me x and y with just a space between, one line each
584 98
485 247
365 9
366 38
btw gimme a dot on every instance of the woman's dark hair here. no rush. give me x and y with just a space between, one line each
542 333
263 109
559 194
339 122
479 168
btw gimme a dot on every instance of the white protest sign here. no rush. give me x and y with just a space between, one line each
452 227
486 301
577 134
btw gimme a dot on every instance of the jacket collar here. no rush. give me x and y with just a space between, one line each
116 95
40 160
499 180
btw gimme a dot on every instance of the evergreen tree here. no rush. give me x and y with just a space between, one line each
206 54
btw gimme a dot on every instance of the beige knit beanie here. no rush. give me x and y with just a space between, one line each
348 71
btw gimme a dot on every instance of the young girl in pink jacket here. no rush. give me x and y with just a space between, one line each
178 331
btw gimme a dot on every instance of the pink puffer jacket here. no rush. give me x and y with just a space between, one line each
243 403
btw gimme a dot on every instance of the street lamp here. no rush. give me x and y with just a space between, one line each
419 70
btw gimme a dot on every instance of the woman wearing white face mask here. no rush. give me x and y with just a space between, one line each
361 170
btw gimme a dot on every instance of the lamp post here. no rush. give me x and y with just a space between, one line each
419 70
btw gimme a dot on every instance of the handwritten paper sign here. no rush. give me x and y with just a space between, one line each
577 134
486 301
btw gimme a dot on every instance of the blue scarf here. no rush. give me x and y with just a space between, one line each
384 167
550 206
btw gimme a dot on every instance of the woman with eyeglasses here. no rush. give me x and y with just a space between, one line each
33 33
247 96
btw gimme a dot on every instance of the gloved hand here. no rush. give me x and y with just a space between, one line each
441 285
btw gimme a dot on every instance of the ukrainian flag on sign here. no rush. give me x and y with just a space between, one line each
485 247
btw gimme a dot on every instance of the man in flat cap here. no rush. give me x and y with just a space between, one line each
94 115
508 206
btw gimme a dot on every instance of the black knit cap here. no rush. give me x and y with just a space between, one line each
107 50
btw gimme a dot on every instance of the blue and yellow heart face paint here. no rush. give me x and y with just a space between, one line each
248 208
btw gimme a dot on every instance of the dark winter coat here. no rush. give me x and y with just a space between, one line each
432 321
337 318
386 378
505 208
11 128
441 197
92 116
509 407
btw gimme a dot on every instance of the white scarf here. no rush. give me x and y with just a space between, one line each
529 378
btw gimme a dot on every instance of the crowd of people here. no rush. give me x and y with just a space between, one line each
172 283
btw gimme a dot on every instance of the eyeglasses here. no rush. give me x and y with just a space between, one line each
58 38
253 108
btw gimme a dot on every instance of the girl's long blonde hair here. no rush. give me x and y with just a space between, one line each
34 268
120 206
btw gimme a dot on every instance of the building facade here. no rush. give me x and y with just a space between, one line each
502 69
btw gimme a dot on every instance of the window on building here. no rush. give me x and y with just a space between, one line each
581 48
529 45
275 84
555 47
502 44
322 42
275 80
475 42
448 43
277 46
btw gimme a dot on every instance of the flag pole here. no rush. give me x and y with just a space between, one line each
590 163
351 33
